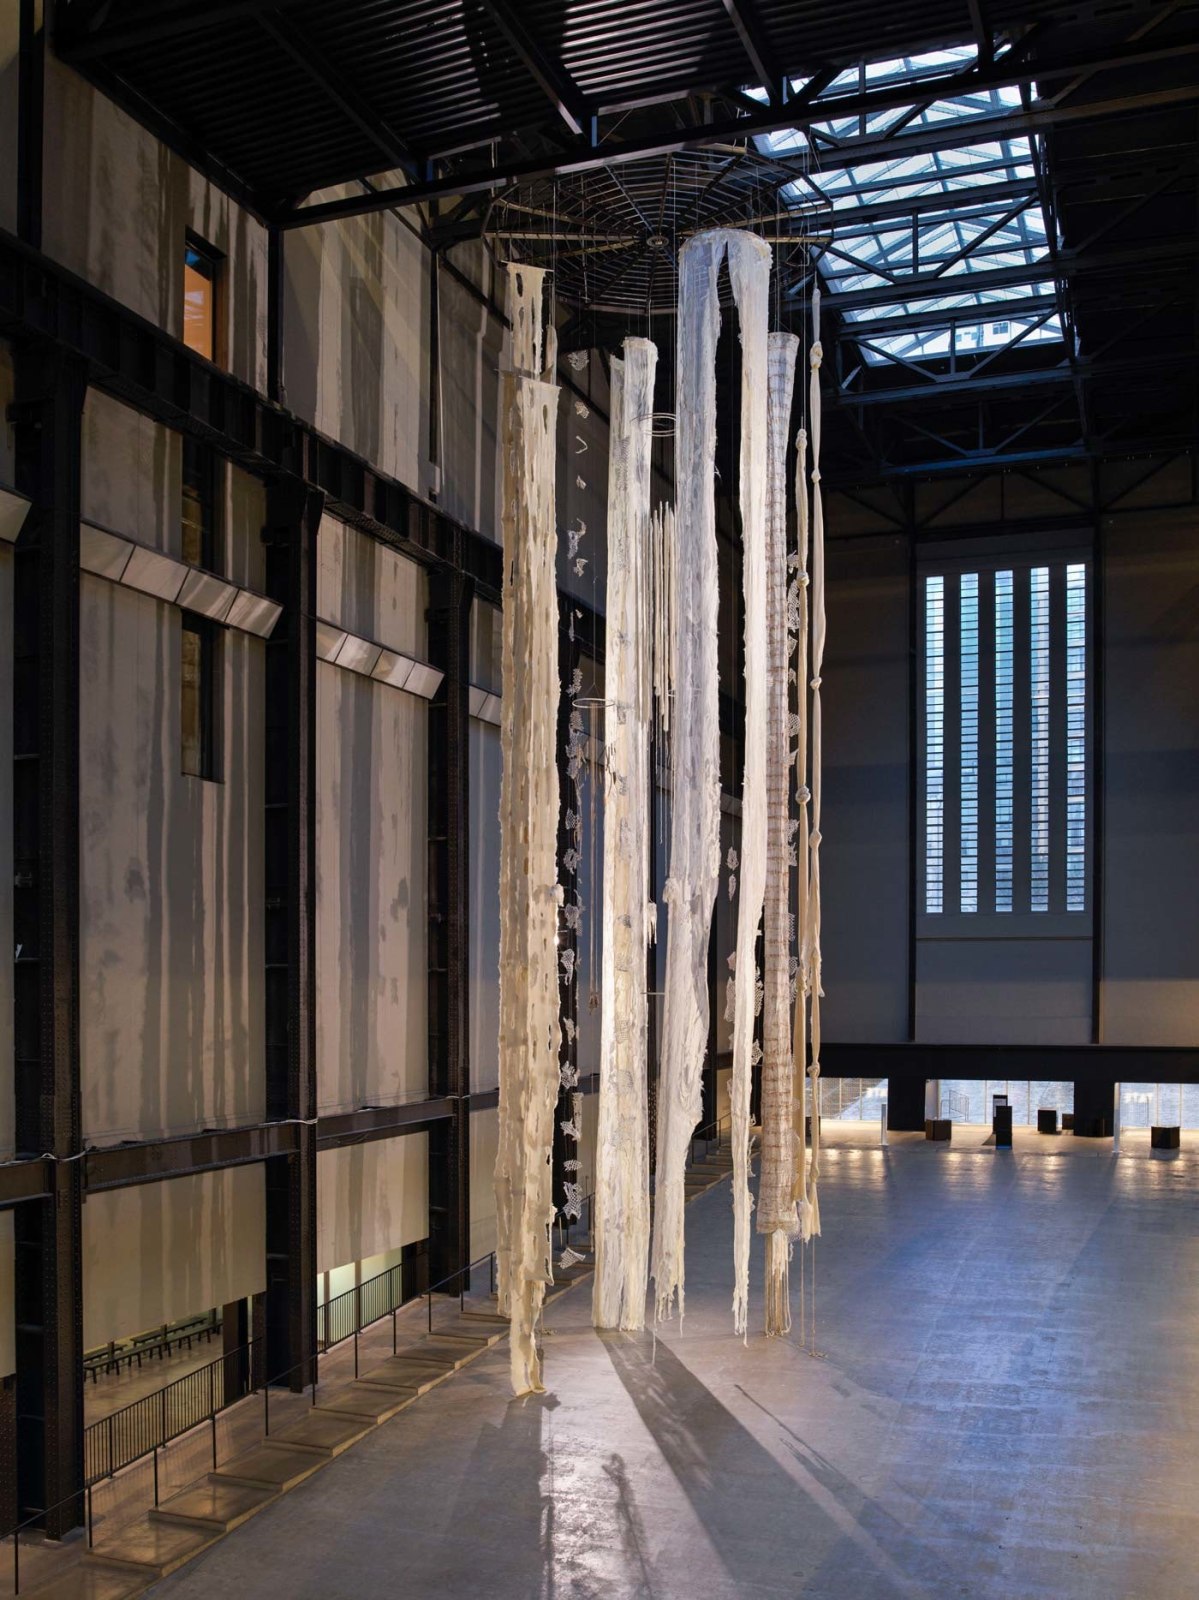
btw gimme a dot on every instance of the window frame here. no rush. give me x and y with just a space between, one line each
208 712
990 556
210 263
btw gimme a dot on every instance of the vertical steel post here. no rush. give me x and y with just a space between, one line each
293 522
451 594
46 418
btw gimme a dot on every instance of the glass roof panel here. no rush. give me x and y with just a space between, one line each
990 218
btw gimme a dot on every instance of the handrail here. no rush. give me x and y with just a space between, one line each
14 1533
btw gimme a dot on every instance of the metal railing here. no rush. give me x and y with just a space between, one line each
145 1425
81 1499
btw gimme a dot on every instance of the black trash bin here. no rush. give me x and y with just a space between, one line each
1046 1119
1165 1138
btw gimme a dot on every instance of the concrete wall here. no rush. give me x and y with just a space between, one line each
372 838
1151 759
171 890
374 1197
117 207
356 316
161 1251
864 853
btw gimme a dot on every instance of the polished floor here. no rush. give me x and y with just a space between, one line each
1005 1403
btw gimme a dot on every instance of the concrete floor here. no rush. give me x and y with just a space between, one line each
1005 1405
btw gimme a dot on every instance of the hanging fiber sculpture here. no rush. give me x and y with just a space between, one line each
777 1217
815 992
694 871
529 890
622 1139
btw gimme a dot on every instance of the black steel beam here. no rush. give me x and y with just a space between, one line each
293 522
24 1180
762 58
549 74
345 96
993 382
948 135
1150 256
384 1122
46 418
1120 1063
158 22
121 1166
450 597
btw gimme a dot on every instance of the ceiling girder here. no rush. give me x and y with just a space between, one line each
952 133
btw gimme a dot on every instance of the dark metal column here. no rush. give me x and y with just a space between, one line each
293 521
450 596
46 417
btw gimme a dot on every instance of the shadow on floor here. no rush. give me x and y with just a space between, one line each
808 1530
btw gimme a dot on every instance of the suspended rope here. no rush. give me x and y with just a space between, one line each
777 1216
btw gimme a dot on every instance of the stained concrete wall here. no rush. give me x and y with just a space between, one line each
373 1197
1151 759
171 890
356 319
10 44
864 854
117 207
161 1251
372 838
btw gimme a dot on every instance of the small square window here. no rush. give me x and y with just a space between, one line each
201 298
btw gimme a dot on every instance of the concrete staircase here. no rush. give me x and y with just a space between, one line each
125 1562
128 1560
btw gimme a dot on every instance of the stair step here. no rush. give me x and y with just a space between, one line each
324 1432
152 1547
397 1372
364 1400
213 1505
270 1466
86 1582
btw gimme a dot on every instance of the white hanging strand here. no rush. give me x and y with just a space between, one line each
777 1216
694 864
749 270
799 1030
622 1139
818 630
529 890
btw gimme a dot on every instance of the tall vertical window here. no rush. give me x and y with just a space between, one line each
200 650
201 298
934 741
1005 728
1004 814
198 516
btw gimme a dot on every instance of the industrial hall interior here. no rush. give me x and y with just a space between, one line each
599 799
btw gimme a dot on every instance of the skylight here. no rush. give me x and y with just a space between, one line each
957 213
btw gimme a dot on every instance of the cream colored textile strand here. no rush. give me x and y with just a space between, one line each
815 357
749 270
800 615
694 866
529 891
622 1139
777 1215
